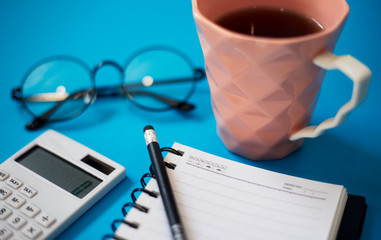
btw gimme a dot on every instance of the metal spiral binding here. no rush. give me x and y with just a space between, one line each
171 150
112 237
142 179
133 204
114 227
150 193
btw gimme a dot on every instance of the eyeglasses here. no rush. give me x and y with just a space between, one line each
62 87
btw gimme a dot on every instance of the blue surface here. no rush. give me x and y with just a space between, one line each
96 30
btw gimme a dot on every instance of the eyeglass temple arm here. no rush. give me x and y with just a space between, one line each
118 90
199 74
183 106
41 120
180 105
115 91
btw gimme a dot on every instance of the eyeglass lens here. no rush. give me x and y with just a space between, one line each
158 73
62 80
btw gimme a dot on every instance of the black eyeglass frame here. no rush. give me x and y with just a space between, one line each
113 91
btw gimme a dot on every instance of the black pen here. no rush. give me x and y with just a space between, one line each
164 184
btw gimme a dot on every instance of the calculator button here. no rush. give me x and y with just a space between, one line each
31 231
16 201
3 175
4 193
45 219
16 221
15 238
5 233
14 182
30 210
4 212
28 191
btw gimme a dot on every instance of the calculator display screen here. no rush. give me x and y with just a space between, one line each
59 171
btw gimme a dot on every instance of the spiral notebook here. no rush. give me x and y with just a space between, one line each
222 199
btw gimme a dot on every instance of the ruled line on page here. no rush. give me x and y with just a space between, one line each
244 201
232 222
198 220
258 184
235 212
250 193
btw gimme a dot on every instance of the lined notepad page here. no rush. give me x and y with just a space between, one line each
222 199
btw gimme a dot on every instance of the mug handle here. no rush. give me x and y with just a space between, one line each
358 73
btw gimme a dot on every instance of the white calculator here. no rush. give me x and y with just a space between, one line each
49 183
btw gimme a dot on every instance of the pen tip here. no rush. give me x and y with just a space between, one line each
147 128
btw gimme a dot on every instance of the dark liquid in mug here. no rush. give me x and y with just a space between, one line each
269 22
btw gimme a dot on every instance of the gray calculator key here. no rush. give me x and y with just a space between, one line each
16 201
16 221
30 210
14 182
31 231
4 212
45 219
3 175
5 233
28 191
4 192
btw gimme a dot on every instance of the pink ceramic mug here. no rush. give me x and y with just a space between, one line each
264 90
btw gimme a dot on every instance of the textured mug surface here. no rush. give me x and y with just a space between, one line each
264 89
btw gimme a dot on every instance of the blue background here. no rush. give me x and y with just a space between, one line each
349 155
